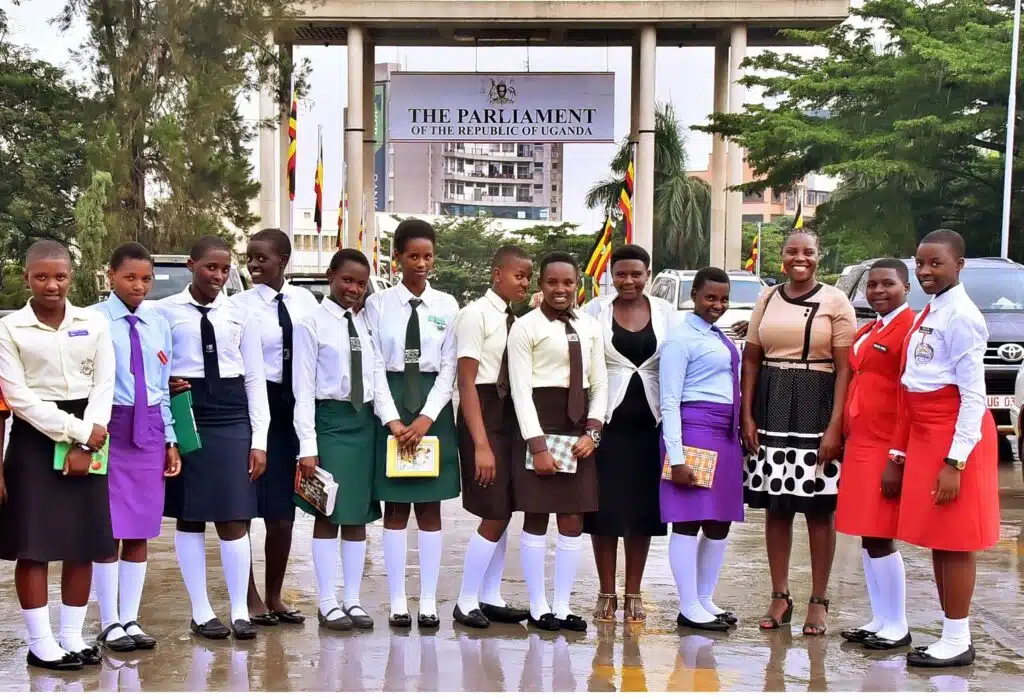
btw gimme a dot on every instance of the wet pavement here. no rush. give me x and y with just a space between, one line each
655 657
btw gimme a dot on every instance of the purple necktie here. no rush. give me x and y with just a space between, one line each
735 354
138 368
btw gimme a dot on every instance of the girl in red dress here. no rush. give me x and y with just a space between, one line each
946 438
868 491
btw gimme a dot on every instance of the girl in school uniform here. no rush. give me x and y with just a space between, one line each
412 328
489 437
219 360
946 444
57 374
275 306
142 444
556 366
335 385
868 492
700 407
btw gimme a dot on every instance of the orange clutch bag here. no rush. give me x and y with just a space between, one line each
701 461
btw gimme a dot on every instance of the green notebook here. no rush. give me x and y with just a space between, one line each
185 429
99 458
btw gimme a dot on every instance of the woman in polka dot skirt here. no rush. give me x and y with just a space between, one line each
795 375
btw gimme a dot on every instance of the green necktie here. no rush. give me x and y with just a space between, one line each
355 352
413 400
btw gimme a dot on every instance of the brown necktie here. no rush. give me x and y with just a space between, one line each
502 386
577 400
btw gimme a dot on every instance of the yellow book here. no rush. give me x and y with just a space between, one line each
425 463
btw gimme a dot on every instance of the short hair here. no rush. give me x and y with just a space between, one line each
278 240
636 252
349 254
129 250
410 229
558 257
506 253
709 274
206 244
46 249
896 264
950 238
803 231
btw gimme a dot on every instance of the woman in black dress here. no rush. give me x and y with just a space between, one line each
634 327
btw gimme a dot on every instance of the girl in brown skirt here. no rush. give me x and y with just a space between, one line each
556 358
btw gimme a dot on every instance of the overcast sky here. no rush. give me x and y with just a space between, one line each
684 78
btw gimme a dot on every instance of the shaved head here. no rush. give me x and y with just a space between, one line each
46 249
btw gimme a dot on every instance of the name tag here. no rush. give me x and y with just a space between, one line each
163 357
881 347
78 333
925 330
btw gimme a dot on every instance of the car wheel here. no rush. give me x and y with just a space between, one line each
1005 450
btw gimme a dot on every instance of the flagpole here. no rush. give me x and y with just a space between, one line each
319 235
757 259
1011 116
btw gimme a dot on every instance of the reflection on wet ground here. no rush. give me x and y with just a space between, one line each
654 657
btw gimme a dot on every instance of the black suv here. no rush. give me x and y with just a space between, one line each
996 285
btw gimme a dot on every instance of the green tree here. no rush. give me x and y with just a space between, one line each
908 107
90 240
682 204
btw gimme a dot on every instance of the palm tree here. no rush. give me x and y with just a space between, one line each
682 204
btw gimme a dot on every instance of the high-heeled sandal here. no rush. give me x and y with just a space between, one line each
633 609
770 622
604 610
815 629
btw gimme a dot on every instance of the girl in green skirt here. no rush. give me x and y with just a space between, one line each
412 327
333 374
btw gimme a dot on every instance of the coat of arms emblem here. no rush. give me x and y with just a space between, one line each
501 92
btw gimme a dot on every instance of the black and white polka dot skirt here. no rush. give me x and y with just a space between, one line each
792 408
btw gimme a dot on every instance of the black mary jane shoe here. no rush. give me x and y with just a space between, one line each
572 623
212 629
121 644
727 617
243 629
920 658
474 619
267 620
715 625
141 639
876 642
400 620
546 622
290 617
428 622
856 635
90 656
69 662
361 620
342 623
504 614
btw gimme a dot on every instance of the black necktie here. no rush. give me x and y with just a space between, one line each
413 400
355 366
285 321
211 368
577 400
502 386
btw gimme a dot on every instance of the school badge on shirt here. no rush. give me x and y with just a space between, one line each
438 322
163 357
924 352
88 368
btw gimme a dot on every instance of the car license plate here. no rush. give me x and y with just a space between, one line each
1000 402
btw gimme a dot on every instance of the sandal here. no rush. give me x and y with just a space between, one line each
814 629
607 605
770 622
633 609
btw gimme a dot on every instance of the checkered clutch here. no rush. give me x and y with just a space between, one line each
560 448
701 461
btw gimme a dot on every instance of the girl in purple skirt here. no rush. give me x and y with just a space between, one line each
143 449
700 402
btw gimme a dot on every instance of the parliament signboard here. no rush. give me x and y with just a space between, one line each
510 107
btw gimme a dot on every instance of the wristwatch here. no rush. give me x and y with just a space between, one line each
898 459
595 436
172 444
958 464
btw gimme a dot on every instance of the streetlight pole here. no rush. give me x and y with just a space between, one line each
1011 114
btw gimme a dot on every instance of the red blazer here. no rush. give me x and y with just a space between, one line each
871 401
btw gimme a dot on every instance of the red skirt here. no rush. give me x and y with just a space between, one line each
861 510
971 521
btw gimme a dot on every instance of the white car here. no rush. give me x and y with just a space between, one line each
674 286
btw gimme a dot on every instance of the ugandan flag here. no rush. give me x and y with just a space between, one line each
798 219
601 251
376 257
626 203
318 188
293 121
755 249
342 208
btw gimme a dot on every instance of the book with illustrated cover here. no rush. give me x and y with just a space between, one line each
701 460
320 491
425 463
100 458
560 448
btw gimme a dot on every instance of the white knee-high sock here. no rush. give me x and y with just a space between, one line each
395 544
874 594
325 565
531 552
41 642
490 590
190 549
131 580
479 553
682 556
567 562
353 559
710 555
956 638
894 600
236 558
431 545
72 618
104 580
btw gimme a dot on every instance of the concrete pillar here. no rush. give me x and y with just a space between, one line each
268 160
366 205
719 161
734 199
354 135
284 217
643 194
634 94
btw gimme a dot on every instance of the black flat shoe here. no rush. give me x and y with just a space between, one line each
473 619
400 620
545 622
428 621
504 614
268 619
572 623
716 625
341 623
856 634
360 621
90 656
69 662
212 629
121 644
727 617
290 617
880 643
243 629
141 639
919 658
